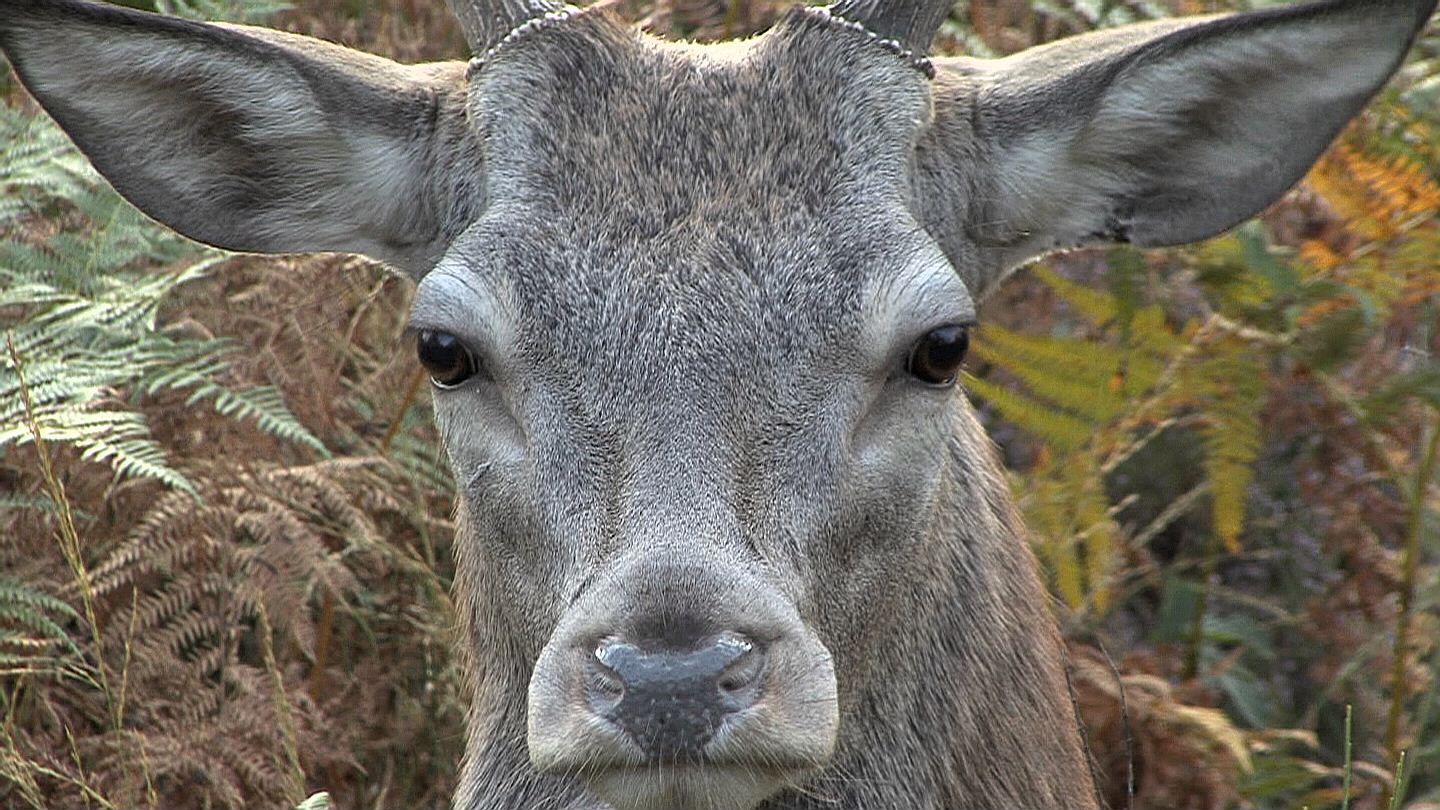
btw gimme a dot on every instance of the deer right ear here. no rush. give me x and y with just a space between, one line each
250 139
1157 134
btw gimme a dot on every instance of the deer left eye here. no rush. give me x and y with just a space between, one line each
445 357
937 356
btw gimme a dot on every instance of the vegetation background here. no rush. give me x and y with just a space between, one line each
225 529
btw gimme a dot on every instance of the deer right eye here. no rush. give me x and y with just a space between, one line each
937 356
445 357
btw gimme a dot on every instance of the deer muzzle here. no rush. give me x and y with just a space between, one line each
683 688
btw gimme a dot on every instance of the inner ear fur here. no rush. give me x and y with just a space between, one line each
1157 133
251 139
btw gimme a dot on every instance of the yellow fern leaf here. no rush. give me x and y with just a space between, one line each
1100 307
1065 431
1098 534
1099 403
1153 332
1229 385
1335 177
1080 361
1319 255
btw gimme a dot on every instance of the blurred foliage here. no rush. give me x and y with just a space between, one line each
1226 455
1231 473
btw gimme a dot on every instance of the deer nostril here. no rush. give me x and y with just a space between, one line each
606 682
739 679
743 671
739 682
603 686
671 702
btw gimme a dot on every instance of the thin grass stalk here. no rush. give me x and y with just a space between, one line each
1349 761
90 792
129 639
16 769
150 794
69 543
323 635
395 424
282 708
1208 568
1410 566
84 781
1401 778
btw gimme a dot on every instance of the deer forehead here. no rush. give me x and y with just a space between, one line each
624 136
655 209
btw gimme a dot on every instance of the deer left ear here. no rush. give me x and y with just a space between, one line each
1158 133
250 139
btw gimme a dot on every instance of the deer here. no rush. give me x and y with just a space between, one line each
729 533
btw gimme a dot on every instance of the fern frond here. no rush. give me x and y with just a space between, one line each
1080 394
1098 306
1082 361
82 308
1422 384
31 621
17 501
1058 427
265 405
1230 387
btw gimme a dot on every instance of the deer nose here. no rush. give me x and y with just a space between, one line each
672 702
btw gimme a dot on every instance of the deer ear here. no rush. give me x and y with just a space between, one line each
1158 133
249 139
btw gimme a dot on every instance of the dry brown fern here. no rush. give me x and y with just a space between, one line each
711 20
202 722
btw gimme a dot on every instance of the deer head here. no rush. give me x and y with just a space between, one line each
730 535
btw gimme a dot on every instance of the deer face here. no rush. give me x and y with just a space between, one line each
693 440
694 316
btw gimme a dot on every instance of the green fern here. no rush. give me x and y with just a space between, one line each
240 11
81 310
1090 398
33 638
1071 371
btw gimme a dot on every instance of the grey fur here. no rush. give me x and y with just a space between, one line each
693 275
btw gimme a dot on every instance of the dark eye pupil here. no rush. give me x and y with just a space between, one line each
937 357
445 357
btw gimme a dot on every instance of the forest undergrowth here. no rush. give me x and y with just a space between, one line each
226 527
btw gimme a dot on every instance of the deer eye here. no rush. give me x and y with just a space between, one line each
445 357
937 356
